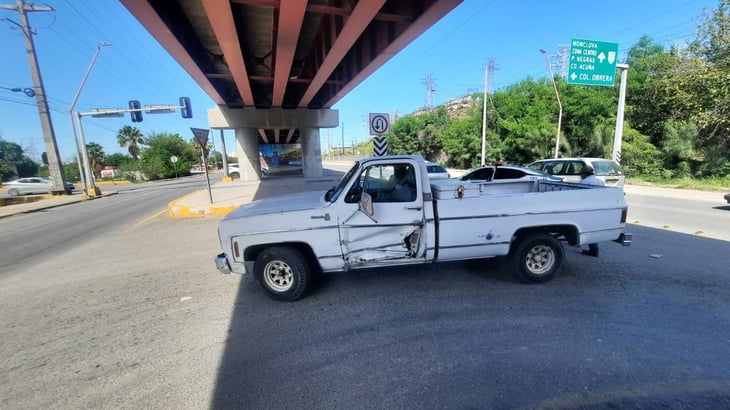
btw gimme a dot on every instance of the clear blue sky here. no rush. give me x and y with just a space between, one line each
454 51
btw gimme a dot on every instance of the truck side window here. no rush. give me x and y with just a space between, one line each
385 183
403 182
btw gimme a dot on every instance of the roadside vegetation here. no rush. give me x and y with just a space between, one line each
677 118
676 130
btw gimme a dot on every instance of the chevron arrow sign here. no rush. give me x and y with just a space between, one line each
380 146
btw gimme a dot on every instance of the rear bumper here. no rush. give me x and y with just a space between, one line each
624 239
221 263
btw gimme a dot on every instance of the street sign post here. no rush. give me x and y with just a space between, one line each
592 62
201 135
379 124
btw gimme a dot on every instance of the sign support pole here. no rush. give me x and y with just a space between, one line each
207 177
619 133
201 135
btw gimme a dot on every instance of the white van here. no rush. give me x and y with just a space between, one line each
609 171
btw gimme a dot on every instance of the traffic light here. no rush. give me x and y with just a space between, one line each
136 115
44 158
185 108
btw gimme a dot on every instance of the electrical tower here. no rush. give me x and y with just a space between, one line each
430 84
562 60
491 67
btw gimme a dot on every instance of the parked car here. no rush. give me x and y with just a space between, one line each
490 173
609 171
727 198
436 171
233 171
33 185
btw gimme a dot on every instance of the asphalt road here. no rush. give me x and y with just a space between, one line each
56 230
140 318
693 212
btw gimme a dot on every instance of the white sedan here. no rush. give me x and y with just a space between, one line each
33 185
436 171
489 173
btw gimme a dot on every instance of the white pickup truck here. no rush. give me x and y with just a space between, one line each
386 212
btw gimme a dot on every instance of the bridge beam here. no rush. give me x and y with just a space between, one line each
249 124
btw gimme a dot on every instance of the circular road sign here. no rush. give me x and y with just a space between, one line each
173 159
379 124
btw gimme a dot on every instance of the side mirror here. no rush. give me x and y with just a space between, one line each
366 205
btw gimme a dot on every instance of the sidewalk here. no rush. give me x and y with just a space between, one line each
32 204
227 196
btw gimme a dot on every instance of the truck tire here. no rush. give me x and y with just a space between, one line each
537 257
282 273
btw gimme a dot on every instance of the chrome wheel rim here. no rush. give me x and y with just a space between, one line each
540 259
278 276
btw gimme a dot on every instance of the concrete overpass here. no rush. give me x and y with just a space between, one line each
276 67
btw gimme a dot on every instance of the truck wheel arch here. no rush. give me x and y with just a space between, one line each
251 253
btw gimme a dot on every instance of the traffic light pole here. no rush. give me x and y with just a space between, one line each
135 109
91 189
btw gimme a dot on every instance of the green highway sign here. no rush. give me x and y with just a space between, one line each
592 62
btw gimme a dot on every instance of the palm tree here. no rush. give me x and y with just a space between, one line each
131 138
96 156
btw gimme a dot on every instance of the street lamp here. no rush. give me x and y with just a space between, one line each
86 177
560 105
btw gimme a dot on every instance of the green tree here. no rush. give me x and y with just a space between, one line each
155 157
12 153
116 159
131 138
418 134
638 155
699 88
96 156
648 104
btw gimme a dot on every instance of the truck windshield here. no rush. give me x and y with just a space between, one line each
335 191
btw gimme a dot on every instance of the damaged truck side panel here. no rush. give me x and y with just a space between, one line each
386 212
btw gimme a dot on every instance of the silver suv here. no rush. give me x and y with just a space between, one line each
569 169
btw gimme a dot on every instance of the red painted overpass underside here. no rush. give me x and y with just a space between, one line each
284 53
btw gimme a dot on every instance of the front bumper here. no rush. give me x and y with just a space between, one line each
221 263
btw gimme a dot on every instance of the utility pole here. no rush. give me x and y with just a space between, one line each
484 114
343 139
560 105
488 72
55 167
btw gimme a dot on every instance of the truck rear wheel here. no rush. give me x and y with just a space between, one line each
537 258
282 272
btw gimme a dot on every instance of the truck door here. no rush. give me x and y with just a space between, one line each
394 234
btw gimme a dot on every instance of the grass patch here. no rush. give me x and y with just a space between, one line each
705 184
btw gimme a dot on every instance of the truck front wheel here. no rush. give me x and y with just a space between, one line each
282 272
537 258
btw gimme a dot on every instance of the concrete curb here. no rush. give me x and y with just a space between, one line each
176 210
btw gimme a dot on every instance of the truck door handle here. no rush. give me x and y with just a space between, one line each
413 208
326 217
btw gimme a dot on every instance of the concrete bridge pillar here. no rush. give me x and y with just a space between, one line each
311 153
247 151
